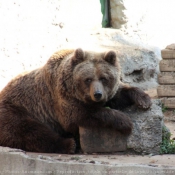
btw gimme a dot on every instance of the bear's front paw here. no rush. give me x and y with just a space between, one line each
68 146
123 124
71 146
141 99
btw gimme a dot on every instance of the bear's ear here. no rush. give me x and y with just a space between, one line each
110 57
79 56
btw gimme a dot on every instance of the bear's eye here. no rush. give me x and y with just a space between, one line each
103 79
88 80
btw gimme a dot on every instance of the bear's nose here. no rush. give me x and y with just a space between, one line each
98 95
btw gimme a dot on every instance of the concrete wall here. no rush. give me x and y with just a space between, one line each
32 30
80 14
150 21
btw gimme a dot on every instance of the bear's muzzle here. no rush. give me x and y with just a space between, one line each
98 95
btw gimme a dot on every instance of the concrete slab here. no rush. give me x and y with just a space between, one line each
13 161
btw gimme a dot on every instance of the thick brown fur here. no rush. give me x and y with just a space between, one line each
42 110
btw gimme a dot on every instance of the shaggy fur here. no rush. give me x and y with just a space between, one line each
42 110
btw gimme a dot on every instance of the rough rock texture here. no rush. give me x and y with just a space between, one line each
145 138
139 67
147 131
118 17
171 46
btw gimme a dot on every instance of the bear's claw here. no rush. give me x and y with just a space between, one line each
143 101
123 123
71 147
68 146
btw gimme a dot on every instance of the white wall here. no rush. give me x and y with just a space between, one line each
152 21
30 31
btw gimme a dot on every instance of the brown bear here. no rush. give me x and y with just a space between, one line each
41 111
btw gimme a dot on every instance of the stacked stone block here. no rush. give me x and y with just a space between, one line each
166 78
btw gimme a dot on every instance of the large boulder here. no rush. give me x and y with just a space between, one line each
146 136
139 62
139 66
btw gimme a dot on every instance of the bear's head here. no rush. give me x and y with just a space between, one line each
96 76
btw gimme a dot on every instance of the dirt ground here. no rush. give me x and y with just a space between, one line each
111 159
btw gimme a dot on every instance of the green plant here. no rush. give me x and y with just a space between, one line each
168 145
164 108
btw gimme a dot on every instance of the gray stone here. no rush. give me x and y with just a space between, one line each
139 66
171 46
102 140
146 136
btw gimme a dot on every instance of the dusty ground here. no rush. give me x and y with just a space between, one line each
114 159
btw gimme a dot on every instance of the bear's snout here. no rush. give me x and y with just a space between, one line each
96 91
98 95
